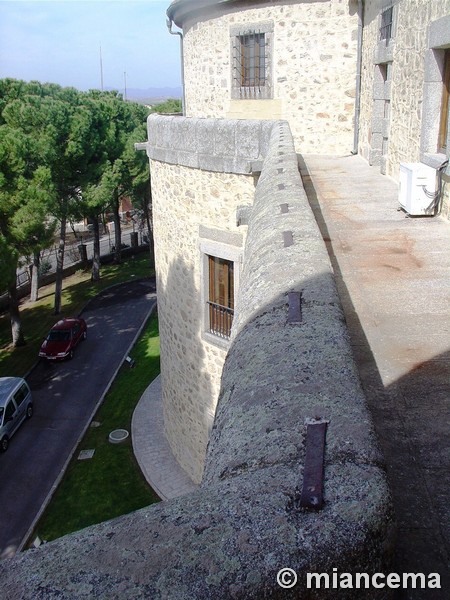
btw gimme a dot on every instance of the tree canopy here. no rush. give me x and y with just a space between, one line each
61 154
171 105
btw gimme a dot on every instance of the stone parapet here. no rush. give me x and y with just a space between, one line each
230 538
216 145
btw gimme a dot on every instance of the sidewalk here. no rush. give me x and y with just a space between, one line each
393 275
152 449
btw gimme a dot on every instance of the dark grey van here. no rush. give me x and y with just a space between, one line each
16 405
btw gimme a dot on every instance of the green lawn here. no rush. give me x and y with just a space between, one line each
110 484
38 318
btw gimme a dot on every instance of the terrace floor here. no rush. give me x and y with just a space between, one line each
393 276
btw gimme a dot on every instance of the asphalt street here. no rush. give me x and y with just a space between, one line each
65 397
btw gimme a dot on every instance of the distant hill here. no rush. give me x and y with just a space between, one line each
153 95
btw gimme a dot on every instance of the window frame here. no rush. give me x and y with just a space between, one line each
221 295
241 88
252 59
431 153
386 24
224 251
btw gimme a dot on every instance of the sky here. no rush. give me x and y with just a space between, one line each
74 42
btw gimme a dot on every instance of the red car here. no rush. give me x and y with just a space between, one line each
64 336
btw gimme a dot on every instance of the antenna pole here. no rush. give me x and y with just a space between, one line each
101 69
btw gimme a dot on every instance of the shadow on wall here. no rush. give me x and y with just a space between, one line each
187 369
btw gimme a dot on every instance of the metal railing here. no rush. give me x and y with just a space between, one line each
72 254
220 319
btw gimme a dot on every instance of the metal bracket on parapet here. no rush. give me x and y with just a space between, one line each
312 490
294 307
243 215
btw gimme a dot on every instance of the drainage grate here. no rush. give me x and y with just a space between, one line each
86 454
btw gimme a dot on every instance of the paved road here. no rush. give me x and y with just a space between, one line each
65 396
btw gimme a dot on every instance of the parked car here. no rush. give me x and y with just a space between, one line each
63 338
16 405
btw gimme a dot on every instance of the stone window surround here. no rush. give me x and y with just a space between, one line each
438 42
265 92
222 244
384 49
383 59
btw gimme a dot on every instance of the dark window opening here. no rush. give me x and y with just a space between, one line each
221 296
250 68
386 24
252 60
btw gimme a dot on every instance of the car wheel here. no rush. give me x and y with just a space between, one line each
4 444
29 411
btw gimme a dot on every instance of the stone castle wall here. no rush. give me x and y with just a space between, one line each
401 121
313 69
194 210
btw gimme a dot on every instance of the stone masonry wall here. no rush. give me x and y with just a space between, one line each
407 59
188 204
184 199
229 539
313 69
370 41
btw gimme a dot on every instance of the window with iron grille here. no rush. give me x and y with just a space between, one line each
386 24
221 296
251 61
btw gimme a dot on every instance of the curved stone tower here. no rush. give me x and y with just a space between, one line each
246 64
273 60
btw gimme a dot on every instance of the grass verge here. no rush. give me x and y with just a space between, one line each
110 484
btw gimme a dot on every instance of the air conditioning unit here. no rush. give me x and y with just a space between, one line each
418 188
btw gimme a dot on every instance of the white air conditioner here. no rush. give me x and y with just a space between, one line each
417 190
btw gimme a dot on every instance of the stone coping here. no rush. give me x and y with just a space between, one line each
230 538
218 145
